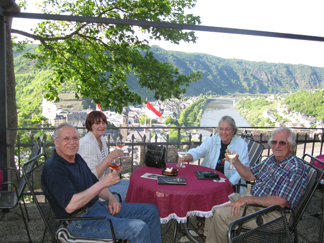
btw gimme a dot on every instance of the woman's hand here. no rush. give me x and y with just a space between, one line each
117 153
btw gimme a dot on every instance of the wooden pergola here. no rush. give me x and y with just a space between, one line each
8 8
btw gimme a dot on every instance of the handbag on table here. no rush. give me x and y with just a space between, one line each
155 156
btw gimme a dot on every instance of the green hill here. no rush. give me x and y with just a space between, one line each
220 77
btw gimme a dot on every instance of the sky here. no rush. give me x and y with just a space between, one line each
285 16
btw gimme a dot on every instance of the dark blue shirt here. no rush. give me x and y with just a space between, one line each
62 179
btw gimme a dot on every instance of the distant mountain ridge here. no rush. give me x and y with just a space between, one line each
227 76
220 77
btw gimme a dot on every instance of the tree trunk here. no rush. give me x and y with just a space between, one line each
11 97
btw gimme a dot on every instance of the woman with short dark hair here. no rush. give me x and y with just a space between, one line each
94 151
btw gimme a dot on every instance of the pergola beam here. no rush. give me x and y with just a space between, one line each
144 23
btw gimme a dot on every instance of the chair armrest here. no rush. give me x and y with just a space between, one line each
14 186
292 221
93 218
116 193
14 169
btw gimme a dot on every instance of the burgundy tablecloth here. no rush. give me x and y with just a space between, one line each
197 198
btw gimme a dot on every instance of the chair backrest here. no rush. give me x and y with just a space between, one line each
255 149
33 178
274 231
36 149
317 162
48 148
28 166
313 181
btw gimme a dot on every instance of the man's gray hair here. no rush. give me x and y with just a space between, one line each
231 122
291 138
64 124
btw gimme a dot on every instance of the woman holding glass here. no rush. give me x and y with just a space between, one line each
216 150
93 149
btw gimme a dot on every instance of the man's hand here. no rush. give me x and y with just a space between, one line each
236 206
235 159
110 179
113 205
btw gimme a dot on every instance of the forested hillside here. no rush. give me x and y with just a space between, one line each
308 102
220 77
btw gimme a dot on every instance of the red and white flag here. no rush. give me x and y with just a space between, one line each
151 112
49 109
98 107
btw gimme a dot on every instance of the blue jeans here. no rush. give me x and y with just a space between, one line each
136 222
121 187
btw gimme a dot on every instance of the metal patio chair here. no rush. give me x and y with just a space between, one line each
14 195
53 225
276 230
314 175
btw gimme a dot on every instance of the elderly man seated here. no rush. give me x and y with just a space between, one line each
73 191
281 179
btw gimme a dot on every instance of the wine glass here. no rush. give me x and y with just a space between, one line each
231 155
115 164
181 153
119 142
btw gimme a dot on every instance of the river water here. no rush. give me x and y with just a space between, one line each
215 110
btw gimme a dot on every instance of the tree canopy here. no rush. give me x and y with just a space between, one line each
98 57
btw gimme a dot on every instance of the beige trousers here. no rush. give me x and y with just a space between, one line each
216 226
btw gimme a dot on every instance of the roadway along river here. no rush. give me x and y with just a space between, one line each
215 110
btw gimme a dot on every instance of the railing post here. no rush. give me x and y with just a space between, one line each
314 137
305 143
167 150
189 145
179 139
133 153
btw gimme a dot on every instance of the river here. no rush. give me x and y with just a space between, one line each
215 110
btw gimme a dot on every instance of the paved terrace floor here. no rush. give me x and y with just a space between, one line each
12 227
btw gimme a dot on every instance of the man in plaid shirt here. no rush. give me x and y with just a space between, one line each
281 179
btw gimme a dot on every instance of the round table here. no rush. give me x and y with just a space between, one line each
197 198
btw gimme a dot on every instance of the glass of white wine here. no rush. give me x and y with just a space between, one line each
231 155
181 153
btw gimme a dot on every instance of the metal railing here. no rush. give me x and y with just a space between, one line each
309 140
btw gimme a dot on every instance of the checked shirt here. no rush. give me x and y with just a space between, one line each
287 179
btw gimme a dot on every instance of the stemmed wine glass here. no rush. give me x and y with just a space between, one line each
182 153
119 144
231 155
115 164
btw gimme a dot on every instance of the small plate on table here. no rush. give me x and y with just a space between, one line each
170 171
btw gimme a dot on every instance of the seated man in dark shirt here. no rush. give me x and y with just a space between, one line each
281 179
74 191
